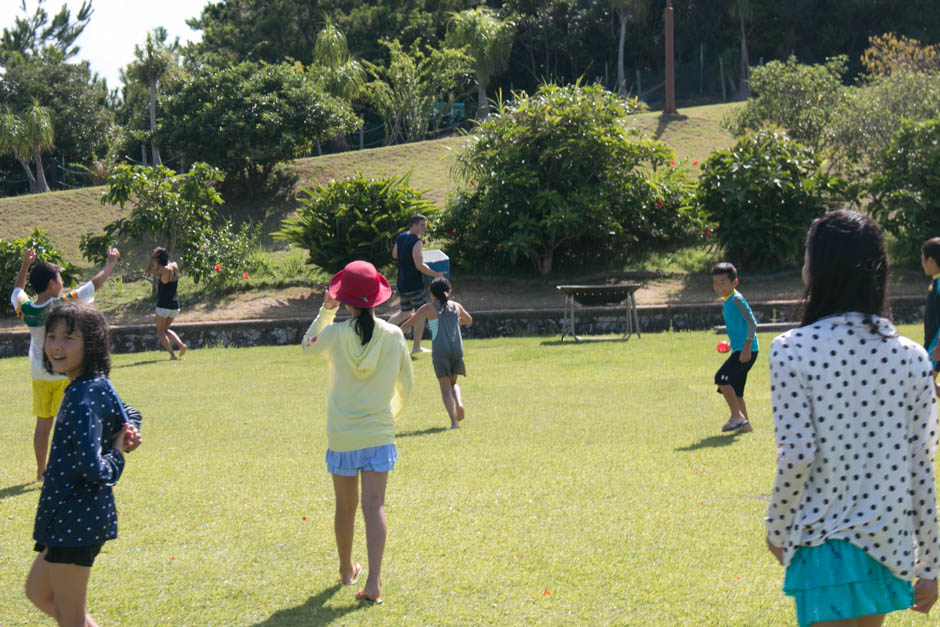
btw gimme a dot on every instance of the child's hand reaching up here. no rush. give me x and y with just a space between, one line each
29 256
329 302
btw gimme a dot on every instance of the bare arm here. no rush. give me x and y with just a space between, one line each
422 314
28 257
102 276
462 316
418 257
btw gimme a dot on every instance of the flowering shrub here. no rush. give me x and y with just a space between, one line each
763 192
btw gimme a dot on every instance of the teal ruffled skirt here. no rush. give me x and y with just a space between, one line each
838 580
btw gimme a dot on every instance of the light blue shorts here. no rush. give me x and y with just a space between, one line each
374 459
838 580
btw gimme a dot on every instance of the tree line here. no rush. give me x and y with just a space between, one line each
284 78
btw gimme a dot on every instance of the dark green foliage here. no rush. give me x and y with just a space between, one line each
355 218
906 186
558 176
11 258
247 118
798 98
763 193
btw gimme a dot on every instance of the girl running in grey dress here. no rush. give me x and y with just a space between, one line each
444 318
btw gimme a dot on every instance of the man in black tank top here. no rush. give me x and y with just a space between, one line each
408 250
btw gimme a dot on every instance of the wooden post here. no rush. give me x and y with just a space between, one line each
670 106
362 132
721 77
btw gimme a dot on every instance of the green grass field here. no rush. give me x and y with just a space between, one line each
588 485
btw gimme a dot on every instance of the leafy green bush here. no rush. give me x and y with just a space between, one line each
560 176
906 186
178 213
11 258
354 218
763 193
799 98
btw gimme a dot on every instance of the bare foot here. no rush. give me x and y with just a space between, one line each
183 350
454 425
40 475
460 413
172 357
420 350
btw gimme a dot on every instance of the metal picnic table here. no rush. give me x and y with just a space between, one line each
593 295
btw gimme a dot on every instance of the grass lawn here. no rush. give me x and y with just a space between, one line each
588 485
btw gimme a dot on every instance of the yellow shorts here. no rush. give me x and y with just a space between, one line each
47 396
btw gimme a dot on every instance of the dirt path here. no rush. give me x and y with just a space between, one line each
482 294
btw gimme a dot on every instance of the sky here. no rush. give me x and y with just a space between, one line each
116 26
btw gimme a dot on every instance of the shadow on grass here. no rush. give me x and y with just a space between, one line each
712 441
140 363
312 612
16 490
428 431
583 340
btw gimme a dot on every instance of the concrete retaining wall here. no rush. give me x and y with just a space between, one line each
506 323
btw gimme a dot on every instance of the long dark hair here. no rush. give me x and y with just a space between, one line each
440 287
365 324
848 268
162 256
96 336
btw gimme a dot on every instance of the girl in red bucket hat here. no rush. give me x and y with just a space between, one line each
370 378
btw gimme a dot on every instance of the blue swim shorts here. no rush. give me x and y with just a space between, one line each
374 459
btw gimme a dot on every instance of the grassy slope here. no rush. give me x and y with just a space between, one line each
66 214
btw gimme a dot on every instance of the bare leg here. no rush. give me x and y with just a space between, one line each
418 330
41 444
69 594
162 325
731 398
742 409
173 337
447 395
347 498
457 400
39 585
373 509
399 317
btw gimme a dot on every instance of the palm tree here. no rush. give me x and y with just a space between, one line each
626 10
341 75
39 136
13 139
490 42
151 63
743 10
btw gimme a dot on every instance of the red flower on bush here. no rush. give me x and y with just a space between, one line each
708 233
695 163
671 239
672 163
660 203
245 276
218 267
452 233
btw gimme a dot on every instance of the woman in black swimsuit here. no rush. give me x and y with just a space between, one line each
168 304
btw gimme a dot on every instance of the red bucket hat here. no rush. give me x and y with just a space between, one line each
359 284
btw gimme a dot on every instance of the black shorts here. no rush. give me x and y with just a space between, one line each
78 555
411 301
734 373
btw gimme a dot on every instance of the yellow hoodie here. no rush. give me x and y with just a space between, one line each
368 384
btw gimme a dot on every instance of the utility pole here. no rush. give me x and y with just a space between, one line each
670 106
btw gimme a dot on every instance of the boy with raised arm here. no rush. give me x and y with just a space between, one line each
46 281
